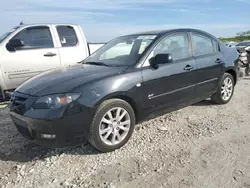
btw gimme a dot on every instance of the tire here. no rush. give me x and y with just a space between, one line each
218 96
247 71
98 124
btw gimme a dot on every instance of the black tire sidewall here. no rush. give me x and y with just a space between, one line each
98 143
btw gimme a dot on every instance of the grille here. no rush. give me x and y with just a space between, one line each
17 104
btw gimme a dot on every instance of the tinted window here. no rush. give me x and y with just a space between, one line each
202 44
176 44
36 37
67 36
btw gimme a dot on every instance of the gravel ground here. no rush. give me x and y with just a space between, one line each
204 145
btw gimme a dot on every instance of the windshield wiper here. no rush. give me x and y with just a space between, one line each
95 63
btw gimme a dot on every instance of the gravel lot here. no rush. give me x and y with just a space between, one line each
204 145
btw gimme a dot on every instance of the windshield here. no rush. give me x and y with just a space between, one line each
122 51
5 35
243 44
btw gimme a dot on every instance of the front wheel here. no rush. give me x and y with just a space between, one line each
112 125
225 90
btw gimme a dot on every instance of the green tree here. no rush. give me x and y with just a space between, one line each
240 36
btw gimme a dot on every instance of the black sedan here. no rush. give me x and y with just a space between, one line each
131 77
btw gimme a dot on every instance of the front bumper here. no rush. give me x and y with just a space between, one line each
70 129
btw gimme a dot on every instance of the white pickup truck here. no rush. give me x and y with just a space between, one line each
28 50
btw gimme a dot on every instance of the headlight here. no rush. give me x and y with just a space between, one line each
55 101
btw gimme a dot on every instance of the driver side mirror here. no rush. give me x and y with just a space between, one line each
14 43
160 59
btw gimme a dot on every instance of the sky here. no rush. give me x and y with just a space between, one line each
103 20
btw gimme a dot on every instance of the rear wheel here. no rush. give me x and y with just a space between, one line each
225 90
112 125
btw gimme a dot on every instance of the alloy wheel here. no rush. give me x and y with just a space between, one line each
114 126
227 89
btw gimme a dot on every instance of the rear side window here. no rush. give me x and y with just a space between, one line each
67 36
202 44
35 37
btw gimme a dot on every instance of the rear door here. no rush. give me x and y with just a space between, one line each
170 84
72 45
38 55
209 64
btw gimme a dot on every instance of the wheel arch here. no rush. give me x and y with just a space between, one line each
126 98
233 73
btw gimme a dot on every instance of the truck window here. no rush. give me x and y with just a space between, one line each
67 36
35 37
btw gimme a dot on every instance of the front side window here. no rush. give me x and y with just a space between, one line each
35 37
177 45
122 51
67 36
202 44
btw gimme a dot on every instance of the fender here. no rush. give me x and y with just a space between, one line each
126 85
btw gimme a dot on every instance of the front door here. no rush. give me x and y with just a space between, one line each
170 84
209 64
36 56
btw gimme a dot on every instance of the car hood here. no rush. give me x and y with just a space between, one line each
63 80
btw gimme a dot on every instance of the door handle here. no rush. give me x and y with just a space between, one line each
49 54
218 61
189 67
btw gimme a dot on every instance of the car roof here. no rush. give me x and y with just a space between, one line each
162 32
41 24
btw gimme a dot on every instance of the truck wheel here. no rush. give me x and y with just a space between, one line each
112 125
247 71
225 90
